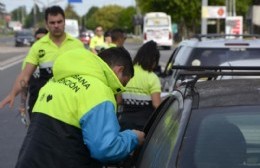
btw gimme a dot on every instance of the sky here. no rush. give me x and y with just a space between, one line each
80 8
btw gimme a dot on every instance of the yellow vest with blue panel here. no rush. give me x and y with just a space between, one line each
76 112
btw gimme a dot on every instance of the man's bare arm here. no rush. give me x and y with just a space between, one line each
21 81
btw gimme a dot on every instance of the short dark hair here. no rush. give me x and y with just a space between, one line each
118 56
40 30
117 33
107 33
54 10
147 56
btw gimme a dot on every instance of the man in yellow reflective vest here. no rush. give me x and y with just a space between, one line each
44 52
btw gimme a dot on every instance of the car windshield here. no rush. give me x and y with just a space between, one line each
157 22
223 138
217 56
24 33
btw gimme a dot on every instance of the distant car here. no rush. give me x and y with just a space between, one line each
209 50
208 124
24 38
85 36
72 27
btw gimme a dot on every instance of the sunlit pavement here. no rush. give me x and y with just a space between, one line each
8 49
10 56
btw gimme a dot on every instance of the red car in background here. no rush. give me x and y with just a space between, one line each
85 36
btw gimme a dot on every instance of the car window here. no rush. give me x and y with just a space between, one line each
158 149
171 61
217 56
182 55
222 137
24 33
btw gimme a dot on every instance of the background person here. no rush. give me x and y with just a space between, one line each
108 39
44 52
97 42
142 95
33 88
118 37
72 128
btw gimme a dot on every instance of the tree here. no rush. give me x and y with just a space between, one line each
187 13
70 12
88 22
19 14
184 12
39 18
125 19
106 16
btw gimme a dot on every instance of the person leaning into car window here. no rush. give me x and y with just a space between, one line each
33 87
74 122
44 52
143 91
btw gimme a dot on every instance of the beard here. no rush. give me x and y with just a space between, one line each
57 33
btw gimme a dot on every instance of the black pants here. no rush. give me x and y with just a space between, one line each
35 85
134 117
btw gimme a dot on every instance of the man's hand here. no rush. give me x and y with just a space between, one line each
140 135
8 100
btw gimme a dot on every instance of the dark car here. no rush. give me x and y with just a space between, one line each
205 124
24 38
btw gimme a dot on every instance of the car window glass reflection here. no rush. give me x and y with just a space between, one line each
160 148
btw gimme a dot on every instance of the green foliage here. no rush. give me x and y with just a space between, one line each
27 20
91 11
19 14
89 21
187 13
125 20
106 16
70 12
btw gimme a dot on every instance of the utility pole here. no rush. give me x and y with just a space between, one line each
138 28
204 22
34 14
231 7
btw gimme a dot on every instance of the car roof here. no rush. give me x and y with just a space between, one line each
222 41
24 31
209 86
230 92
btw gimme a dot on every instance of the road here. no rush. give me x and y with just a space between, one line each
11 128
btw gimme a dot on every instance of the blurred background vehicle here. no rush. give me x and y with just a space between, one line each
157 26
85 36
24 37
210 50
72 27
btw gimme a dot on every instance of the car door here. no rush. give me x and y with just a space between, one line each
162 135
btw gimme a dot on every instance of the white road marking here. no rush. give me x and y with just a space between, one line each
11 62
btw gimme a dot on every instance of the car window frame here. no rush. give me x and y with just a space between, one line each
156 118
